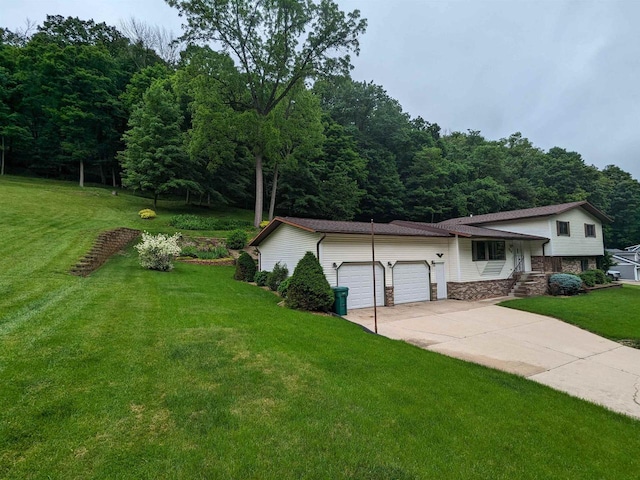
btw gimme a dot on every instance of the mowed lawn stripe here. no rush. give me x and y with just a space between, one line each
190 374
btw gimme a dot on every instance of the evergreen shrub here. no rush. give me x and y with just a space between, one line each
237 239
245 268
308 287
284 287
261 278
595 277
277 276
564 284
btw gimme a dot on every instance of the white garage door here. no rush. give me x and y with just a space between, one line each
359 279
411 282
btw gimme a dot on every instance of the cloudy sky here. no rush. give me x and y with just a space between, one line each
564 73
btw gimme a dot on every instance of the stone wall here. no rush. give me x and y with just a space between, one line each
105 246
478 290
388 297
434 291
560 264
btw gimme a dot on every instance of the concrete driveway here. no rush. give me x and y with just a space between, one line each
543 349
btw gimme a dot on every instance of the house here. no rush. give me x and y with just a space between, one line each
464 258
627 262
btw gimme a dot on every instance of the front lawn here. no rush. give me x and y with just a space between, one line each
134 374
612 313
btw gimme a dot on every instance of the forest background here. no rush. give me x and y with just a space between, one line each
96 103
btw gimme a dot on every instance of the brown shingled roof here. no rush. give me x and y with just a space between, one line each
332 226
469 230
527 213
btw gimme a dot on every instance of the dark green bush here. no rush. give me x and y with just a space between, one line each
564 284
261 278
245 268
284 287
194 222
592 278
277 276
237 239
308 288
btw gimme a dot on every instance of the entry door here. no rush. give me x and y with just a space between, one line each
518 257
358 278
441 281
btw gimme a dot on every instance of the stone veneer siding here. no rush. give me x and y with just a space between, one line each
478 290
388 297
434 291
568 264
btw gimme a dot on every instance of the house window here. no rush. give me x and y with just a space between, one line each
584 264
589 230
563 228
488 250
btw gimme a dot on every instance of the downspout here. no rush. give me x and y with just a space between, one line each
324 235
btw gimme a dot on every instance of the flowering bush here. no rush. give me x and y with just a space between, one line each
147 214
157 251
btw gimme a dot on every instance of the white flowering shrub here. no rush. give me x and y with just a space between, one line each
157 251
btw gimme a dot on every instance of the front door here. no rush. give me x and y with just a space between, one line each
518 257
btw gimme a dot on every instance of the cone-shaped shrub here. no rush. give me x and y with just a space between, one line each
245 268
308 287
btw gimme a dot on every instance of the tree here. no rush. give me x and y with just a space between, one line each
278 44
155 159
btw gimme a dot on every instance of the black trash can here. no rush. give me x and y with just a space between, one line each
340 302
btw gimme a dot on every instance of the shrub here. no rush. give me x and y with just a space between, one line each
189 251
147 214
261 278
245 268
277 276
592 278
264 223
213 253
284 287
308 287
157 252
564 284
195 222
237 239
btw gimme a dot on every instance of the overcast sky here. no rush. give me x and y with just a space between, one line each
563 73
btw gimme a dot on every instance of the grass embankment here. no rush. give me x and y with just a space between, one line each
612 313
138 374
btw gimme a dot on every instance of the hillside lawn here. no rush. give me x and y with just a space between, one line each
613 313
138 374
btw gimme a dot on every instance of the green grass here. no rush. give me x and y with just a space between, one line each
189 374
612 313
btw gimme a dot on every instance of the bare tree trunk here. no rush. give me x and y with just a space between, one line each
82 173
274 189
103 178
186 201
208 198
155 200
113 177
2 165
259 192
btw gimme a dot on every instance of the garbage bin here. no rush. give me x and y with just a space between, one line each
340 302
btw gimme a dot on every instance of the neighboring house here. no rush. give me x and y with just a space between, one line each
627 262
464 258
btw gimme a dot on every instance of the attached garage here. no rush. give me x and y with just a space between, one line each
358 277
411 282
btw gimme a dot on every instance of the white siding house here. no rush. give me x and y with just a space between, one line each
464 258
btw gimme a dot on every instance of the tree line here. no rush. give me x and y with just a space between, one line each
270 119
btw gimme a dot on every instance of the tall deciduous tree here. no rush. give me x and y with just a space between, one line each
155 158
278 44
